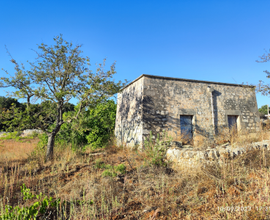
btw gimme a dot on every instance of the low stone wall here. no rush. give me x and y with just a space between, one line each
24 133
192 158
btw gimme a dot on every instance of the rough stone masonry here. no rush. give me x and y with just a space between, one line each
182 108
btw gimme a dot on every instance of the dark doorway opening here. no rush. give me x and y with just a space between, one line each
232 122
186 128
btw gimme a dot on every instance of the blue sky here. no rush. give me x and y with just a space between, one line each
204 40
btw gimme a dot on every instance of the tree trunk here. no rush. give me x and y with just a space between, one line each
28 103
50 144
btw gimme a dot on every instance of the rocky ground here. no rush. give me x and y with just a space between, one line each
190 157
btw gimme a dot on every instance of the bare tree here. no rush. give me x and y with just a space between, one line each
262 87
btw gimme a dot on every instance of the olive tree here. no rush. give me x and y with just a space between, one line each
60 73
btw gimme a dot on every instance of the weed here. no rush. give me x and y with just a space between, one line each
108 173
99 164
111 170
121 168
29 212
156 150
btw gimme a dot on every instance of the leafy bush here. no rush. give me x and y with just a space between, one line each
6 102
108 173
156 150
101 121
94 129
121 168
12 135
109 169
16 135
29 212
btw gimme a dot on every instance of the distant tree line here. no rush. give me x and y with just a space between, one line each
6 103
94 129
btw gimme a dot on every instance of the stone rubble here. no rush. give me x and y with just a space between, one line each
192 158
24 133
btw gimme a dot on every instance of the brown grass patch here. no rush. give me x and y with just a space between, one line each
143 191
15 150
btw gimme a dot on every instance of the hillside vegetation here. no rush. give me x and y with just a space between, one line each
118 183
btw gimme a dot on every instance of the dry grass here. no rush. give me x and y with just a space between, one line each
16 150
144 191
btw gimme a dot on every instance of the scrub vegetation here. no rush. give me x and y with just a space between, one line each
114 182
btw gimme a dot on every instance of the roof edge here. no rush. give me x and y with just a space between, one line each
187 80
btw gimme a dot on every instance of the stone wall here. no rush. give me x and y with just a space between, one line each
128 126
165 100
188 157
155 104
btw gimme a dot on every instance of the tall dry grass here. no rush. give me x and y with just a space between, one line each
14 150
144 191
240 137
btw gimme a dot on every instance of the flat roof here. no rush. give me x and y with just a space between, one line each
186 80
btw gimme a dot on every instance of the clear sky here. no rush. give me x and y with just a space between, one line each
203 40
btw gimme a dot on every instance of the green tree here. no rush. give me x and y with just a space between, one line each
61 73
263 109
17 118
5 104
22 82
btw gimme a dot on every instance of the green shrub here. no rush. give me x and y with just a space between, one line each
12 135
263 110
106 173
94 128
13 115
29 212
109 169
121 168
100 121
43 140
16 136
99 164
156 150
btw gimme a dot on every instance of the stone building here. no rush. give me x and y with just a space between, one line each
187 108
